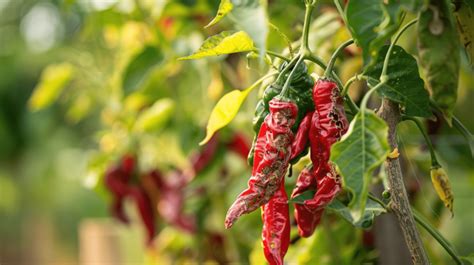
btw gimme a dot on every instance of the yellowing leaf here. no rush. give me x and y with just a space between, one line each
226 109
155 117
442 186
224 8
223 43
394 154
53 80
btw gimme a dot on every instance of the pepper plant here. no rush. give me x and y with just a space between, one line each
337 85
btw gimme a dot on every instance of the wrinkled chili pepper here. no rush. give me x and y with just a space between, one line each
276 227
328 124
299 92
271 161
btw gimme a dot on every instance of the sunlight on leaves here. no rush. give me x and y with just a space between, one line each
226 42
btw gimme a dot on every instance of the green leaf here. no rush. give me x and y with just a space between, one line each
413 5
404 84
155 117
468 260
225 42
300 199
438 46
465 21
372 209
53 80
224 8
371 23
360 151
251 16
140 68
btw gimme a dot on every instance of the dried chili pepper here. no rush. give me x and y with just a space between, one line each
204 157
328 124
276 227
299 92
271 161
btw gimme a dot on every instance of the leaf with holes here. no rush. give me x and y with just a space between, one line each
363 148
404 84
226 42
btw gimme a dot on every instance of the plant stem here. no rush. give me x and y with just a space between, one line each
284 90
436 235
307 21
275 54
383 75
365 99
429 228
335 55
340 10
400 205
434 160
348 84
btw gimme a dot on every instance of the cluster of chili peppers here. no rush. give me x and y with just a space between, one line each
299 118
155 194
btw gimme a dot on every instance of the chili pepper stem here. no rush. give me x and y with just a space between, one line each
434 160
275 54
334 56
284 90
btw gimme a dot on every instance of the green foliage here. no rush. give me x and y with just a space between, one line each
139 69
404 84
371 23
360 151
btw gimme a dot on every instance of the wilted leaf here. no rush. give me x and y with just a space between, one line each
53 80
371 23
404 84
360 151
438 46
224 8
465 21
155 117
140 68
441 184
372 209
223 43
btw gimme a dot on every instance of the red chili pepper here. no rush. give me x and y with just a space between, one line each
145 209
305 218
205 156
240 145
271 160
328 124
276 227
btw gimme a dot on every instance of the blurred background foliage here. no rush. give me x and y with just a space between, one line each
107 82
